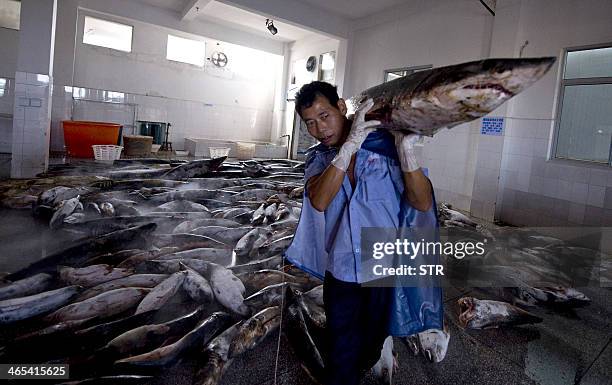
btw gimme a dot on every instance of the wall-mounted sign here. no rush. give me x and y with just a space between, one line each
492 126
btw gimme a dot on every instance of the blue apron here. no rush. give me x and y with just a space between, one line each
414 308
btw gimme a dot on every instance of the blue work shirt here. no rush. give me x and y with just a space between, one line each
375 202
330 240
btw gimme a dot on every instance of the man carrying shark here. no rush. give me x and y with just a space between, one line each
359 177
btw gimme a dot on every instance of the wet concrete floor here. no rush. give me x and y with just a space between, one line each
568 348
571 347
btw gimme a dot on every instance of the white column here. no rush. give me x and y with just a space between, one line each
33 86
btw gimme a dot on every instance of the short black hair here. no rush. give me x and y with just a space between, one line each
308 93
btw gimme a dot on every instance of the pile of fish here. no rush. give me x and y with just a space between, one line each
179 261
173 261
523 269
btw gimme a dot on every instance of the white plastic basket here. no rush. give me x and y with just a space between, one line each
106 153
218 152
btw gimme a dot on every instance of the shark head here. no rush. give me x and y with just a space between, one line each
482 88
427 101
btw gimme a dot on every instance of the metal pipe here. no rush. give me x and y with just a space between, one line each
288 144
487 7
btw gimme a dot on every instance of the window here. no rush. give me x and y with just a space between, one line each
186 50
584 118
10 12
3 86
107 34
328 64
397 73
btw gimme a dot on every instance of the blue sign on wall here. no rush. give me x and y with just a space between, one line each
492 126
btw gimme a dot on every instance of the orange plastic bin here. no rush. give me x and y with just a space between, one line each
79 136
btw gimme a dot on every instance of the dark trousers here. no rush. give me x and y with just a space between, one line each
356 328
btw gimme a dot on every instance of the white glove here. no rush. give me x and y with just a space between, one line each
359 131
405 150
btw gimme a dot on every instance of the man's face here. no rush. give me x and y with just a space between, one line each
324 121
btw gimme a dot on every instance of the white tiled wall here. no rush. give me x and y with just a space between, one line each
540 192
31 124
450 160
7 99
188 118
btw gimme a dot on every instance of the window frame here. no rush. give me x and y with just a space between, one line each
184 62
320 69
561 94
108 21
410 70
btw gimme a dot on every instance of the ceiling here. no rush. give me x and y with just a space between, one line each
251 22
174 5
234 17
354 9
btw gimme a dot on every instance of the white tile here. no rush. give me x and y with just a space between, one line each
552 170
31 79
489 210
540 148
512 146
576 213
567 172
580 192
30 137
513 162
36 91
599 177
17 149
536 185
596 195
34 113
31 172
19 113
20 77
564 190
522 129
523 181
20 90
23 102
525 146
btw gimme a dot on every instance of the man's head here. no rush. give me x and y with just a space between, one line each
323 112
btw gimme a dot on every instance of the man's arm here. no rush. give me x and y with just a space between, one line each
323 188
417 187
417 190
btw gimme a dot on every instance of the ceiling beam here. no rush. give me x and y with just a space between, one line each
297 13
192 8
